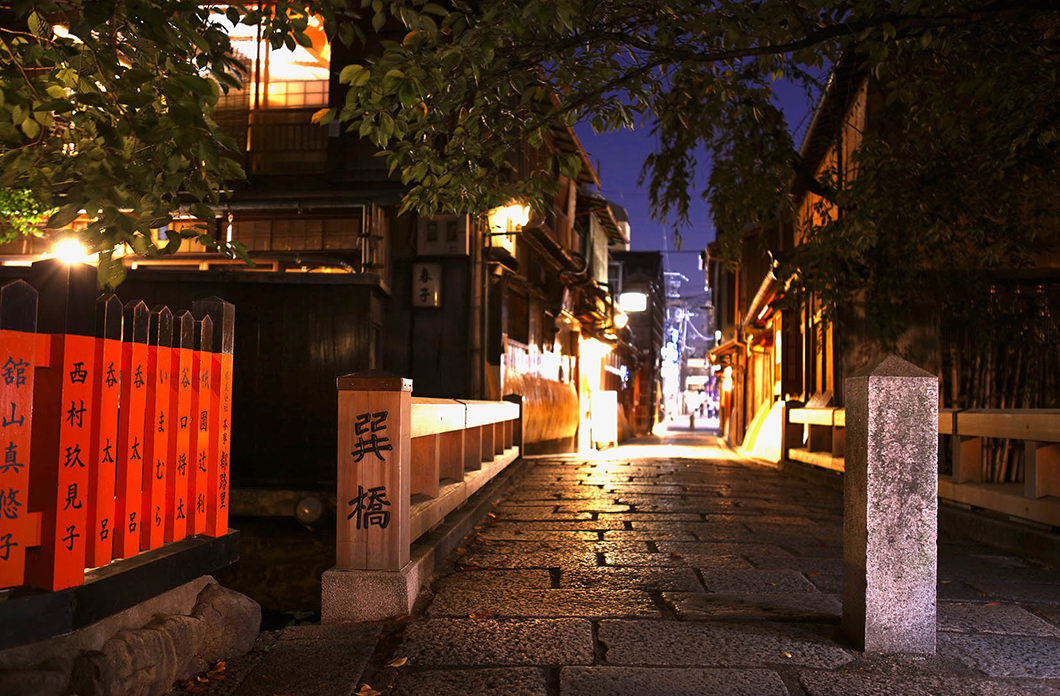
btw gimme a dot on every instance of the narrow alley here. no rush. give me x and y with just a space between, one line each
676 567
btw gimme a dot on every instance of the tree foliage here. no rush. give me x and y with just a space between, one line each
960 176
105 107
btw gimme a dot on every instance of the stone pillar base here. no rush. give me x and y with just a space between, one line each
348 596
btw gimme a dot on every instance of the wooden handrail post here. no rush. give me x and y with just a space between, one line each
374 471
373 577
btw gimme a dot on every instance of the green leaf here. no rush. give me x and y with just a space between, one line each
31 128
64 216
350 73
202 211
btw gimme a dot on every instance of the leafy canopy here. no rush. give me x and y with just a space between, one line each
960 175
105 107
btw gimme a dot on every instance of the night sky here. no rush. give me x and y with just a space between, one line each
619 156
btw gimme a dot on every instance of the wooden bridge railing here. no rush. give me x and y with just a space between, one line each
404 463
116 424
1037 498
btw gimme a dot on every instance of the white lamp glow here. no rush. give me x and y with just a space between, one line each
633 301
70 251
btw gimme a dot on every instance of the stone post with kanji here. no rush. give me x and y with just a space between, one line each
372 574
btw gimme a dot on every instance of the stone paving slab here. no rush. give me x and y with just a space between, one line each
632 558
1030 592
645 681
593 506
338 653
1004 656
701 553
489 642
700 644
994 568
501 601
574 525
657 578
810 566
666 517
528 546
536 559
900 676
989 618
739 606
957 591
506 533
493 681
539 513
648 535
756 581
512 580
827 582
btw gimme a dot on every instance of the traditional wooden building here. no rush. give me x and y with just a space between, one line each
468 306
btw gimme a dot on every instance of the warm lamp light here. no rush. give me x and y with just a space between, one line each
509 218
70 251
504 222
621 319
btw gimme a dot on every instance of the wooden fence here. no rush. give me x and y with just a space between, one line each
115 422
817 436
405 463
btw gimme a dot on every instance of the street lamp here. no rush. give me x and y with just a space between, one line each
504 222
633 301
70 252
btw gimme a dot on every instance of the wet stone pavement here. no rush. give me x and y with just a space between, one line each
687 570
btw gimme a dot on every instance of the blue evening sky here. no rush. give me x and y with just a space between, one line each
619 156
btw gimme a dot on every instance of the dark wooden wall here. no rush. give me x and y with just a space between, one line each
295 333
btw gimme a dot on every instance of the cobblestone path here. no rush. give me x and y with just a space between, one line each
684 569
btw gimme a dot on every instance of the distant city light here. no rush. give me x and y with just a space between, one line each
633 301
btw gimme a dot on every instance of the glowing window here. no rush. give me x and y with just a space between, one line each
281 77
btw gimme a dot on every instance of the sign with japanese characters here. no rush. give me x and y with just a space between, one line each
426 284
156 467
374 473
132 433
16 397
103 466
180 452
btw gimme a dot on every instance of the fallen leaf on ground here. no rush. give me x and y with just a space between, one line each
367 690
785 654
397 662
478 616
674 554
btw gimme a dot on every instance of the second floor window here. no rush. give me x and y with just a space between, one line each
279 78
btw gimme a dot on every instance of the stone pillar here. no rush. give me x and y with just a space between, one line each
372 578
890 510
